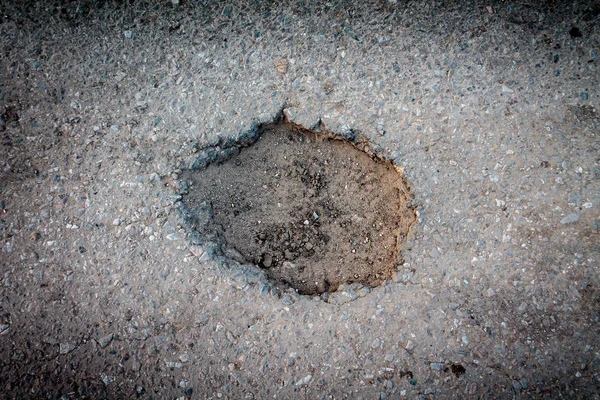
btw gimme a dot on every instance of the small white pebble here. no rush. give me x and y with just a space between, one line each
304 381
569 219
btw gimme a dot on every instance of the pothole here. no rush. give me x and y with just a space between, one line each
311 209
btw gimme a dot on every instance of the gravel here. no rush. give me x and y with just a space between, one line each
489 109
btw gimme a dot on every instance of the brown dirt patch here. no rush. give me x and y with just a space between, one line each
309 208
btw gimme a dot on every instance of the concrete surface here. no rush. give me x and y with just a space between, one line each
489 107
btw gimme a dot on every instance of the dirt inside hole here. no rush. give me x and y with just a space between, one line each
311 209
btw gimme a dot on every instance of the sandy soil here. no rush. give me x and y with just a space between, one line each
311 209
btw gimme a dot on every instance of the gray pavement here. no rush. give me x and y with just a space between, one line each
490 109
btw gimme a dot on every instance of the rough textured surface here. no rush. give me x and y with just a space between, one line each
490 108
313 210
